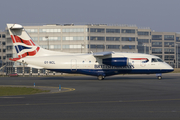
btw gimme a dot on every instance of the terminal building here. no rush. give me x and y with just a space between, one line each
93 38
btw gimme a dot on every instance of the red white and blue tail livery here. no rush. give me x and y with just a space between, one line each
99 64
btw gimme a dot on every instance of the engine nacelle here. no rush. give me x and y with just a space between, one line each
116 61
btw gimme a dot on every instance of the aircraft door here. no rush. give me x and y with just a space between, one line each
74 65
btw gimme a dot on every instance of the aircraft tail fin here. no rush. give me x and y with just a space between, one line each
22 42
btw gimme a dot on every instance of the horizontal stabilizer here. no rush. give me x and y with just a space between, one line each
101 54
15 26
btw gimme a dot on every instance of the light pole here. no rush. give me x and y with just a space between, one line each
177 56
144 48
47 41
47 71
82 45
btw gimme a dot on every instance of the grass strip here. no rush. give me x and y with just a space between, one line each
10 91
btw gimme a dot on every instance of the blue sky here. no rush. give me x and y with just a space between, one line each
159 15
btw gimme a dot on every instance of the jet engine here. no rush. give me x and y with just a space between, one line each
116 61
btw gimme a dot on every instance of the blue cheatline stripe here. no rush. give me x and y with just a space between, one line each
16 49
109 72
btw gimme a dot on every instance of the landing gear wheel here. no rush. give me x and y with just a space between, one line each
100 77
159 77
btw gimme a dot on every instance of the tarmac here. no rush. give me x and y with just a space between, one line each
128 97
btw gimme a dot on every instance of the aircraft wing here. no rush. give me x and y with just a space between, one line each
101 54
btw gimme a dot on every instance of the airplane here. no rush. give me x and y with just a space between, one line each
100 64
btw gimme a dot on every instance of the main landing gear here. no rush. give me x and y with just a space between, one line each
100 77
159 76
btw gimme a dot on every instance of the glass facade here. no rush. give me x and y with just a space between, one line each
143 33
141 41
169 57
112 46
49 30
156 44
112 38
177 39
132 31
32 30
73 30
97 30
128 38
74 38
128 47
97 38
156 50
168 44
168 51
168 37
112 30
49 38
156 37
97 46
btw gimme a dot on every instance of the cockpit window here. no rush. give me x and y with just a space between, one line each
156 60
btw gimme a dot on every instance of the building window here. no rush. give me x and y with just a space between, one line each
49 38
112 46
156 37
32 30
65 46
169 57
9 55
97 38
4 50
49 30
112 38
143 33
143 49
128 39
34 38
73 30
3 36
168 44
4 57
177 39
112 30
168 37
141 41
3 43
44 46
0 35
97 30
156 50
168 51
156 44
73 38
97 46
128 47
9 47
132 31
